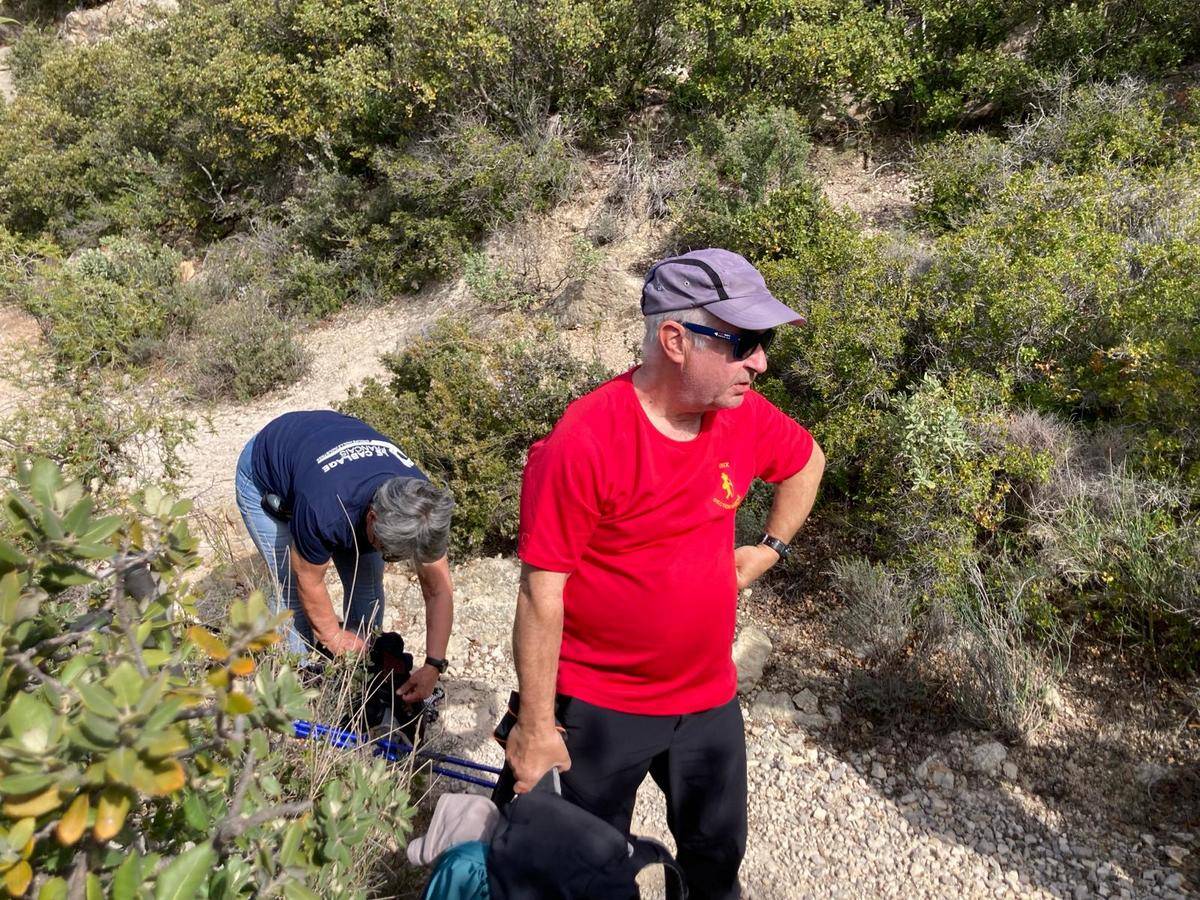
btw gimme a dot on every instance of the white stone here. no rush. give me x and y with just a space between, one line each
1175 854
987 758
812 722
806 701
751 651
772 706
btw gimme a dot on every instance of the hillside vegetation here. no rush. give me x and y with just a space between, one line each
1005 386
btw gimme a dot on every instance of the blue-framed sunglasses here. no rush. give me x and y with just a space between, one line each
744 343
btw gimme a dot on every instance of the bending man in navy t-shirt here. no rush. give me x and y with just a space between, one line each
346 495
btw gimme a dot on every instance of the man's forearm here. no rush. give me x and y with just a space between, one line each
318 608
794 498
438 591
537 638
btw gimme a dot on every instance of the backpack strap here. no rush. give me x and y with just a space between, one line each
648 852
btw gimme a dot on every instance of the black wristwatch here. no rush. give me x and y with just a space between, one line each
440 664
775 544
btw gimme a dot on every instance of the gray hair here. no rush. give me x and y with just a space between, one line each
697 315
412 519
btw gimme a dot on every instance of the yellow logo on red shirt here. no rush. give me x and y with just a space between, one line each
729 498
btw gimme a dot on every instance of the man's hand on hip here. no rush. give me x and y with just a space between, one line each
751 561
533 754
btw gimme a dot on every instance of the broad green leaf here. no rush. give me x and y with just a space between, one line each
53 526
19 834
164 744
294 890
128 878
289 850
93 889
92 551
44 481
181 879
121 767
54 889
29 722
102 732
196 813
101 530
10 555
25 783
260 744
99 700
77 517
164 714
75 667
126 684
155 658
64 575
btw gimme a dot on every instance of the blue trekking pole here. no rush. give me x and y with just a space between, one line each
394 751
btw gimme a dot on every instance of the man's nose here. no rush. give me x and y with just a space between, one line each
756 362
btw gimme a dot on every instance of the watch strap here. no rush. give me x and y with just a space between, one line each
440 664
775 544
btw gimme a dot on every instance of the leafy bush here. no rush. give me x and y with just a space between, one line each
140 752
1080 287
1001 678
241 349
106 433
1097 127
109 307
878 619
805 54
1127 550
467 408
263 263
417 213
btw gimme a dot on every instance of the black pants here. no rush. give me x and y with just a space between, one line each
699 762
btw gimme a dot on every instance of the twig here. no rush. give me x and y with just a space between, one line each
230 828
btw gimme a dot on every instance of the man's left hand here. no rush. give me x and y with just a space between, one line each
419 686
751 560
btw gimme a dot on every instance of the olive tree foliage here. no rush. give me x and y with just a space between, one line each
140 752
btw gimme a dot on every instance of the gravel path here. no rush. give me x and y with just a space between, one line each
957 819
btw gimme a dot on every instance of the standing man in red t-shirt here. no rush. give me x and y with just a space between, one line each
626 608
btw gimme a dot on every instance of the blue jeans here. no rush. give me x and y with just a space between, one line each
361 574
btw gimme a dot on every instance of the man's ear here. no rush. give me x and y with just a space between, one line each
673 339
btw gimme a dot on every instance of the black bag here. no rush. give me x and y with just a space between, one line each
388 667
547 848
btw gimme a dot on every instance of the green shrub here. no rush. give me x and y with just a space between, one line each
1081 287
1098 127
805 54
1127 550
105 432
467 407
140 751
242 349
109 307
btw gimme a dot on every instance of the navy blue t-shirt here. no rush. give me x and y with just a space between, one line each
326 467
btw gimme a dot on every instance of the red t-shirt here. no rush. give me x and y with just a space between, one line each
645 526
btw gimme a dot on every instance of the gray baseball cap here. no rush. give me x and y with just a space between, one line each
722 282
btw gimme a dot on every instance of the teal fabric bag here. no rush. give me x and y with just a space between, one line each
460 874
